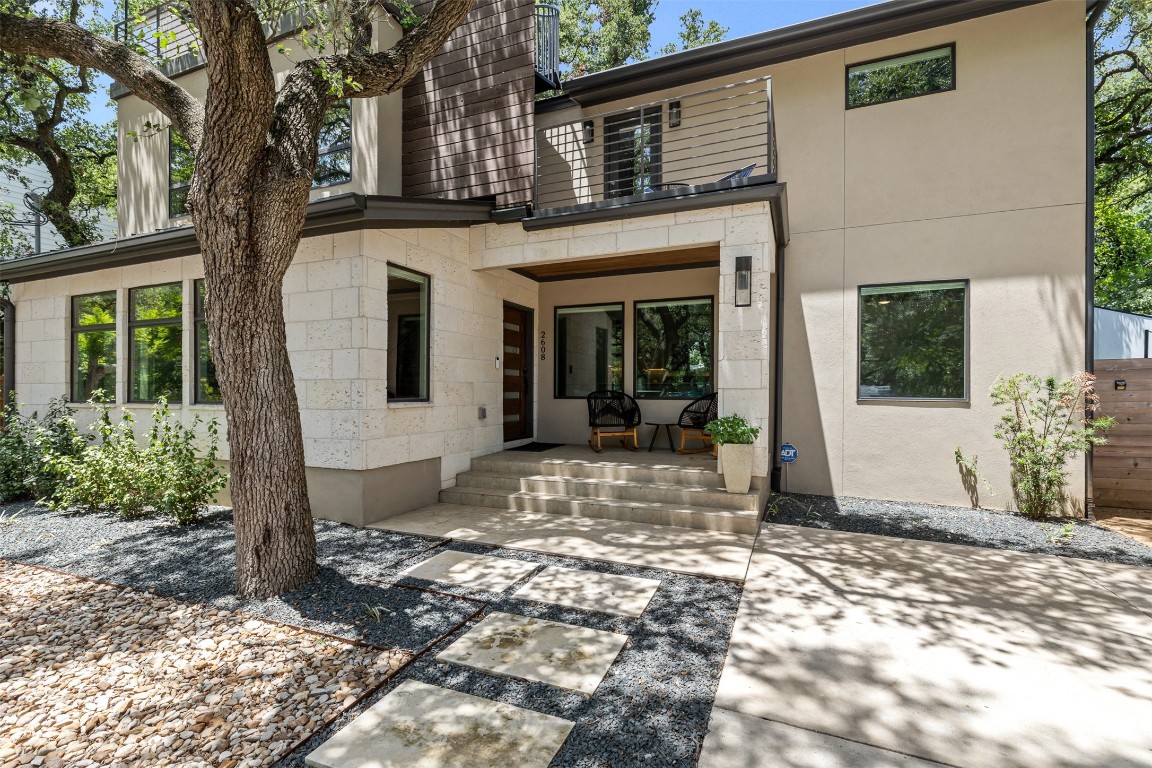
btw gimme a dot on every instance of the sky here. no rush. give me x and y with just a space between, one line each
742 17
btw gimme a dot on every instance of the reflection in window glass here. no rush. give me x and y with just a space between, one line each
901 77
207 388
155 343
633 157
179 173
589 349
334 158
407 334
912 341
94 345
674 341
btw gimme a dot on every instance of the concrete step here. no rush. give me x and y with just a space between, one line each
595 468
627 490
652 513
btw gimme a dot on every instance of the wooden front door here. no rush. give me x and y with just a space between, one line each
517 373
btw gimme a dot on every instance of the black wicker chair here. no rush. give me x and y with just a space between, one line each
693 419
612 414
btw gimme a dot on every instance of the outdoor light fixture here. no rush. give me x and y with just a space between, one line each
743 281
673 114
589 131
1121 384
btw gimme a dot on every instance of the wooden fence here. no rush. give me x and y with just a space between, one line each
1122 469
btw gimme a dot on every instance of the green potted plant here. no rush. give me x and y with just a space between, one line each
735 436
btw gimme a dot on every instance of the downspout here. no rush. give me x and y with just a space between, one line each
1090 219
9 347
778 370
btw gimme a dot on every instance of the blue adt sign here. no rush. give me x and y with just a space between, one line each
787 453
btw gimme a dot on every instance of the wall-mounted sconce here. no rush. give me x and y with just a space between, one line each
1121 384
673 114
743 281
589 131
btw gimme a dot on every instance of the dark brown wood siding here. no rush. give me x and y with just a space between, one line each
468 115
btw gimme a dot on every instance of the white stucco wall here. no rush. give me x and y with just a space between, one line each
1121 335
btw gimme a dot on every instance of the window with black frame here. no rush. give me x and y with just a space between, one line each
180 165
912 341
674 348
334 146
155 343
918 73
94 345
633 153
408 334
207 388
589 349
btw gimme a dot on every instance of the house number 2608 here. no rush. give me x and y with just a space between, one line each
542 346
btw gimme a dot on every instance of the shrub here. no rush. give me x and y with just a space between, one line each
1048 422
163 476
25 442
732 430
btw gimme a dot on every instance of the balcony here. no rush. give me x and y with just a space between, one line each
692 144
547 47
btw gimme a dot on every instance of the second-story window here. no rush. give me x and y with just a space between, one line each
155 343
633 157
179 173
901 77
334 156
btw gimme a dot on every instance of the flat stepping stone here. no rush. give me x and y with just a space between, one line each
491 574
549 652
425 726
590 591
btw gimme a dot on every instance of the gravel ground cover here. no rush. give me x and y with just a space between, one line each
652 709
93 674
1068 537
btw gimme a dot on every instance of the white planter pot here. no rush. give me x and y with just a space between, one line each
737 463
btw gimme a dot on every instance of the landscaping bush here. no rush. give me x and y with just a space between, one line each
25 442
1046 425
163 476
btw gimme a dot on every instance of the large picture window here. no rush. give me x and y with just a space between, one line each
207 388
408 334
674 348
912 341
589 349
633 158
902 77
94 345
155 343
179 173
334 155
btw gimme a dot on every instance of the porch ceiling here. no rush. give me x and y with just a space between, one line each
624 264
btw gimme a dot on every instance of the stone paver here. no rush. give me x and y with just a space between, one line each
425 726
491 574
684 550
567 656
590 591
968 656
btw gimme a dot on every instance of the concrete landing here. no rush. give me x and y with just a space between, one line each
711 554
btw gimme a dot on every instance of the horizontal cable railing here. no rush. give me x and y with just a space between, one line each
548 41
723 135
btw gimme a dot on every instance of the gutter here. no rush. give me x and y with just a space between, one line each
778 373
9 348
1090 221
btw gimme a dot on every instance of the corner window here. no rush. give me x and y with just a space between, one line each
94 345
207 388
902 77
589 349
408 337
155 343
633 158
334 147
674 343
912 341
179 173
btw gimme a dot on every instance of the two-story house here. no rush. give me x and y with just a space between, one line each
847 228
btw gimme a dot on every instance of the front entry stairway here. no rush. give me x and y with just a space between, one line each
652 488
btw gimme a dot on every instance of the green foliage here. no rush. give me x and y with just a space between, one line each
695 33
732 430
1044 427
163 476
1123 267
25 441
1123 108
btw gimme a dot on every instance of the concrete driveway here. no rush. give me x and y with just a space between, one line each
868 651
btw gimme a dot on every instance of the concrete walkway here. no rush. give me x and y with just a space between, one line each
855 650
